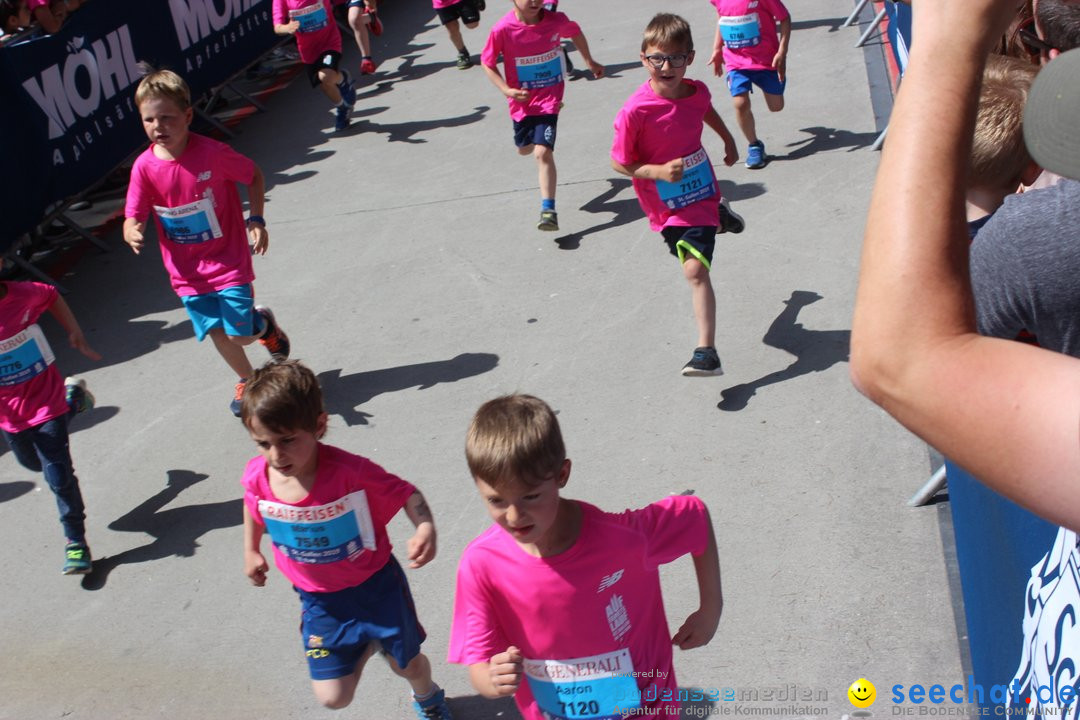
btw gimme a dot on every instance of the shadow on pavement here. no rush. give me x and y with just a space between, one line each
833 24
343 394
823 139
814 350
403 132
176 531
12 490
477 707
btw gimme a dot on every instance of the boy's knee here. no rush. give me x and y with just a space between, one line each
527 150
543 153
241 340
695 271
334 696
775 102
472 25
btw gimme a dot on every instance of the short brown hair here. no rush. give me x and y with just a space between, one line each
668 31
163 84
514 438
998 153
284 396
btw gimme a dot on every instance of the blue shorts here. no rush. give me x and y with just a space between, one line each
232 308
535 130
697 241
337 627
742 81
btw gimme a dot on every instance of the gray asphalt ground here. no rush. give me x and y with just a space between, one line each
405 265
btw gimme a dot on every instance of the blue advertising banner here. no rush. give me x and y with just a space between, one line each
68 98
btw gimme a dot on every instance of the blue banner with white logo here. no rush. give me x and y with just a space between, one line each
69 113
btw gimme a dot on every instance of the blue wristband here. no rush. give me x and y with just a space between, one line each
256 219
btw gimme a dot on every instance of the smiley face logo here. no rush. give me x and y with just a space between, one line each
862 693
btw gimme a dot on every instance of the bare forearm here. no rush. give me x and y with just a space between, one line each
257 193
417 510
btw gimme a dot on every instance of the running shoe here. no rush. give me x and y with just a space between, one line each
273 338
549 221
77 558
374 23
367 66
238 397
464 62
79 399
755 155
730 221
433 707
347 88
704 363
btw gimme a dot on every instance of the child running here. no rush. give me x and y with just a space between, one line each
746 41
319 42
326 511
658 144
468 12
528 38
35 403
364 20
558 603
189 181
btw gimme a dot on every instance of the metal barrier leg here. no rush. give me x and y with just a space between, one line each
855 13
932 487
873 26
250 100
78 229
29 269
880 139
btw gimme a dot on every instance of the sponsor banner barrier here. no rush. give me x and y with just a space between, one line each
69 99
1009 572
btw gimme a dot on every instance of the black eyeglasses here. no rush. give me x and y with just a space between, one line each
676 61
1035 44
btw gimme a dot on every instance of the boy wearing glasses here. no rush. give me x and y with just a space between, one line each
658 144
747 42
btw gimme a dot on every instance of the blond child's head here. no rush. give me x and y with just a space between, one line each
999 157
514 439
668 32
158 84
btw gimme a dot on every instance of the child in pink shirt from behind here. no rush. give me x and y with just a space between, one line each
658 144
319 42
559 603
747 43
528 39
189 182
326 511
35 403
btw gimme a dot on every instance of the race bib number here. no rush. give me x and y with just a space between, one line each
311 18
24 356
740 31
321 533
596 688
698 182
189 224
540 71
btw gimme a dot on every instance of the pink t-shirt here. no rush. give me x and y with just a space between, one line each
532 60
443 3
197 210
31 389
318 30
748 28
585 619
654 130
335 538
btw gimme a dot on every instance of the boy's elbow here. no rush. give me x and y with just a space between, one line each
869 371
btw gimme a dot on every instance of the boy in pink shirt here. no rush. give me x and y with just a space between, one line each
747 42
658 144
585 635
326 511
189 181
35 403
319 42
528 38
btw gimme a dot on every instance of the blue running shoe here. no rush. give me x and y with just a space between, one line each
79 399
755 155
347 88
433 707
77 558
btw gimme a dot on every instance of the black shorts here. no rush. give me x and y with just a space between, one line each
697 241
330 59
465 10
535 130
